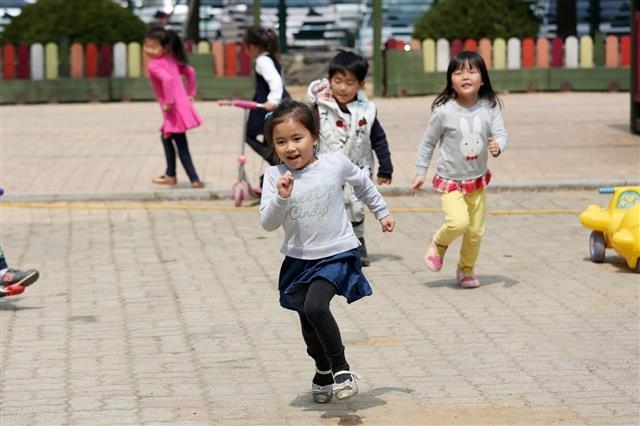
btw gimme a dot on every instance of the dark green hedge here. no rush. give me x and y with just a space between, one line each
70 21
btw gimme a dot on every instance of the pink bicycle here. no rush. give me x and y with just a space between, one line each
241 189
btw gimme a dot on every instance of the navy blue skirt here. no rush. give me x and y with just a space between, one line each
343 270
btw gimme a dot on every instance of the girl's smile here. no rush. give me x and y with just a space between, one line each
466 82
294 144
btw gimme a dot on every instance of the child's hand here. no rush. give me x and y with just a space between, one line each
285 185
417 184
494 147
166 107
388 223
382 181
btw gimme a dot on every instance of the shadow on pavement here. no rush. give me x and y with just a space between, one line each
344 410
485 280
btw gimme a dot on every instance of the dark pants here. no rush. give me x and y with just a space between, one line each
180 140
262 149
320 330
3 261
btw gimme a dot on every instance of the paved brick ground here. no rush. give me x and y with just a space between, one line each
80 151
166 312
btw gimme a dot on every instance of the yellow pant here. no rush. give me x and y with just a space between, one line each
463 215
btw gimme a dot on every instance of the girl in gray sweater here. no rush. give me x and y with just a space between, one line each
304 196
466 123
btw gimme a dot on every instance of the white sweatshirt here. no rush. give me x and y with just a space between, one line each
314 219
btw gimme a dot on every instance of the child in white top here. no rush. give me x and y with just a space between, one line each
466 122
304 196
263 49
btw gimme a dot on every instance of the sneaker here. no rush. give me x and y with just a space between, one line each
322 393
364 257
346 384
14 281
197 184
466 278
165 180
434 256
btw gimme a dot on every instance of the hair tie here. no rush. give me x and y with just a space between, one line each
268 115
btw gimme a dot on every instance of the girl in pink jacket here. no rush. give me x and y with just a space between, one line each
167 66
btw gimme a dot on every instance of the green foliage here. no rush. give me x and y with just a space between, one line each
84 21
477 19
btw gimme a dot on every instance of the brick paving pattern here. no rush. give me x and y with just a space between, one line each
155 307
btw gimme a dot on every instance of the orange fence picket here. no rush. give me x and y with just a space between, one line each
76 61
485 50
217 47
542 53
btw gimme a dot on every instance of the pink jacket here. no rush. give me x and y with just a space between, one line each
166 78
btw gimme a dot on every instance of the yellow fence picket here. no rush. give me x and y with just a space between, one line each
429 55
499 54
51 61
586 52
134 63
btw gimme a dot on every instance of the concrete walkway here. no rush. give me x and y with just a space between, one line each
111 151
158 308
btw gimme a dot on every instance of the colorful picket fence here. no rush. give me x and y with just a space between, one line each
50 62
598 64
572 52
218 59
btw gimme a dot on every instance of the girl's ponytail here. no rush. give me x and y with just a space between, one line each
176 47
273 46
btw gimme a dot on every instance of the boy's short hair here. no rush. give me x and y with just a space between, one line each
346 61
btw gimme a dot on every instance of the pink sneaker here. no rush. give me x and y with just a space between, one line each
466 278
433 256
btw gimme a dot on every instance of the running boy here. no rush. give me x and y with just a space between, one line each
348 124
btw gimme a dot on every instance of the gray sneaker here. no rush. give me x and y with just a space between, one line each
14 281
345 388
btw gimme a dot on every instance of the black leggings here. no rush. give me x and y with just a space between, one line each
320 329
262 149
183 152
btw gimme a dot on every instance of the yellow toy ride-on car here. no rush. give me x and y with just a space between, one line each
616 226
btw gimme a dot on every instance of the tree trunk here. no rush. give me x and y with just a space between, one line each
192 25
566 18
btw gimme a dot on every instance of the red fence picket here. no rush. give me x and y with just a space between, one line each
625 51
557 52
105 60
91 60
8 62
230 59
23 62
245 60
528 53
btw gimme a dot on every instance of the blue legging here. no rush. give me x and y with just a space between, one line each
183 152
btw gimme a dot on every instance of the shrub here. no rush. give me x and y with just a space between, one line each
98 21
477 19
